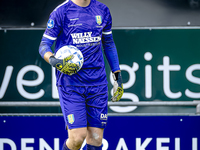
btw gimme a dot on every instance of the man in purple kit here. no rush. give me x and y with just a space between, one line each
83 96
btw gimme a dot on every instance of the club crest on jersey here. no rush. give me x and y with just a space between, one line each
70 118
98 20
50 24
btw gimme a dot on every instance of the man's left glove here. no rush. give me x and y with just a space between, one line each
118 87
63 65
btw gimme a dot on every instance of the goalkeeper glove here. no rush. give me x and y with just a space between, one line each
63 65
118 87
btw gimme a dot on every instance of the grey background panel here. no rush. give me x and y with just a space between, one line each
153 13
131 13
22 13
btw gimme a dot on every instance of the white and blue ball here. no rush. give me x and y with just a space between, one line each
68 50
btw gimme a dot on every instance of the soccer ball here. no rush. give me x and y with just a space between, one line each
68 50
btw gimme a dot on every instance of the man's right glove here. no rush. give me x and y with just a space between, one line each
63 65
118 87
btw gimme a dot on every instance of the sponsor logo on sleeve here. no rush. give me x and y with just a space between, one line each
50 24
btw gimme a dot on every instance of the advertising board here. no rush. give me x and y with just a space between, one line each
157 65
121 133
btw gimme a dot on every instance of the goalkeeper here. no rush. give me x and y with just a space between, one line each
83 96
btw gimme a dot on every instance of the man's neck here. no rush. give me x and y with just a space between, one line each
82 3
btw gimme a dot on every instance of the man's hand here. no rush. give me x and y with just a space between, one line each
63 65
118 87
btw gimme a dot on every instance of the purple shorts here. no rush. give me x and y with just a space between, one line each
84 106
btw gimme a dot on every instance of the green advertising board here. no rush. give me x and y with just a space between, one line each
157 65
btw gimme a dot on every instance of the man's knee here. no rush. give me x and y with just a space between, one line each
78 140
95 136
76 137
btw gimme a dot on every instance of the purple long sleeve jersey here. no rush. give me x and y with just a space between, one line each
87 28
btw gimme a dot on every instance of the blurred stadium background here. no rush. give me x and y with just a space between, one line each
158 45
